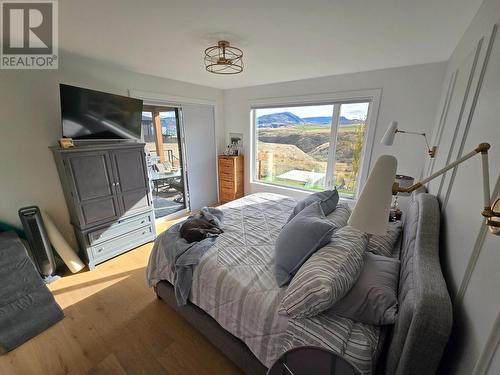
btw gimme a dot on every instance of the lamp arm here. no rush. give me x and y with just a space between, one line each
483 149
486 179
409 132
398 189
489 212
449 166
431 151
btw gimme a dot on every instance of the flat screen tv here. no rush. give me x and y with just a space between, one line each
94 115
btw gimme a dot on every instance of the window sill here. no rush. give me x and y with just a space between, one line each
297 193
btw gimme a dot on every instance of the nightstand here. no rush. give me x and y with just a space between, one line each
308 360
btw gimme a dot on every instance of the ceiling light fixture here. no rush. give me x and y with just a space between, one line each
223 59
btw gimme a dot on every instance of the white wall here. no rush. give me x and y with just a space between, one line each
409 95
470 114
30 123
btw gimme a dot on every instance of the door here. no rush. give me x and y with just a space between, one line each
92 187
199 127
130 174
162 133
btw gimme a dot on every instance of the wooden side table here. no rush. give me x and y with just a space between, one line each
308 360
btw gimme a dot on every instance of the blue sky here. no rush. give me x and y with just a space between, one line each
351 111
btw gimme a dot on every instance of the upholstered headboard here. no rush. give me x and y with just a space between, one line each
418 338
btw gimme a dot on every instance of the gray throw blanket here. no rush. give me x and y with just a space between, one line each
182 256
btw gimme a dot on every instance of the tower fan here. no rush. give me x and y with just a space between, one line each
37 237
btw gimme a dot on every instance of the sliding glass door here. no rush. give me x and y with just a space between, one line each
161 131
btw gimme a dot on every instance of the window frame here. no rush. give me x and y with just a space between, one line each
334 98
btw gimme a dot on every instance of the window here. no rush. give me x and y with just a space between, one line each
311 147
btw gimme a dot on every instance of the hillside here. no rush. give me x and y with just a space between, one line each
304 141
326 120
281 119
286 157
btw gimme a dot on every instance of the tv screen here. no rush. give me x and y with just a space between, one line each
89 114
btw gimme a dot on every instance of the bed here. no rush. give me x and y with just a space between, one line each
235 298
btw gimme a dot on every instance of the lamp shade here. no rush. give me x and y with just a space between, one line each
390 133
371 213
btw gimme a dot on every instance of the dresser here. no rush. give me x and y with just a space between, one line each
107 192
231 174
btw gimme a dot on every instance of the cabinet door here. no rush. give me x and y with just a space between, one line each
92 187
129 167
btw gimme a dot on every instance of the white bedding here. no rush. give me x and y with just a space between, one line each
235 283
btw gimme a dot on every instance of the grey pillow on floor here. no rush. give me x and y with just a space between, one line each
384 244
299 238
328 200
373 298
327 275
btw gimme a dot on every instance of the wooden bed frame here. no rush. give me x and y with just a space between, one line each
414 345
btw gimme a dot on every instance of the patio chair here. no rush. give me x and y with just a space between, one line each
178 185
164 167
168 166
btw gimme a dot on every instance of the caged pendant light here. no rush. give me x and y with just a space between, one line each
223 59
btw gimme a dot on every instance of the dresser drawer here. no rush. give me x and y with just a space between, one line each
225 175
226 195
121 244
226 164
224 171
225 184
119 227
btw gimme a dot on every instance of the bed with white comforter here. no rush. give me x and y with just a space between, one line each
235 284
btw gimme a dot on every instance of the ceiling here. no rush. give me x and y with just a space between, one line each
282 40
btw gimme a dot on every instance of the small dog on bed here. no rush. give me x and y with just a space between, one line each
195 230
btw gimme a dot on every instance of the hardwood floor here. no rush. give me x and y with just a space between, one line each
115 325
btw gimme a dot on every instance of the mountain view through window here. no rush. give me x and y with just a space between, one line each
311 147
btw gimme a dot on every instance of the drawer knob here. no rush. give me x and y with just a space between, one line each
99 250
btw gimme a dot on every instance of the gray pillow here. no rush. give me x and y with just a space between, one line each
384 244
328 200
327 275
299 238
373 298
